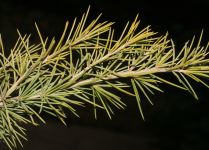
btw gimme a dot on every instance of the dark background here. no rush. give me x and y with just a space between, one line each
176 122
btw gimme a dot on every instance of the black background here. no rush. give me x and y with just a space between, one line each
176 122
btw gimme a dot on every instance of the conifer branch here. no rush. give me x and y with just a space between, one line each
83 66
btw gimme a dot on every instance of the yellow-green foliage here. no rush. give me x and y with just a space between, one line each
83 66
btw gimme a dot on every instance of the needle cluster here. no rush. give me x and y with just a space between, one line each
84 66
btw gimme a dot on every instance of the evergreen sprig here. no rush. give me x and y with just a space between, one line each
84 66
